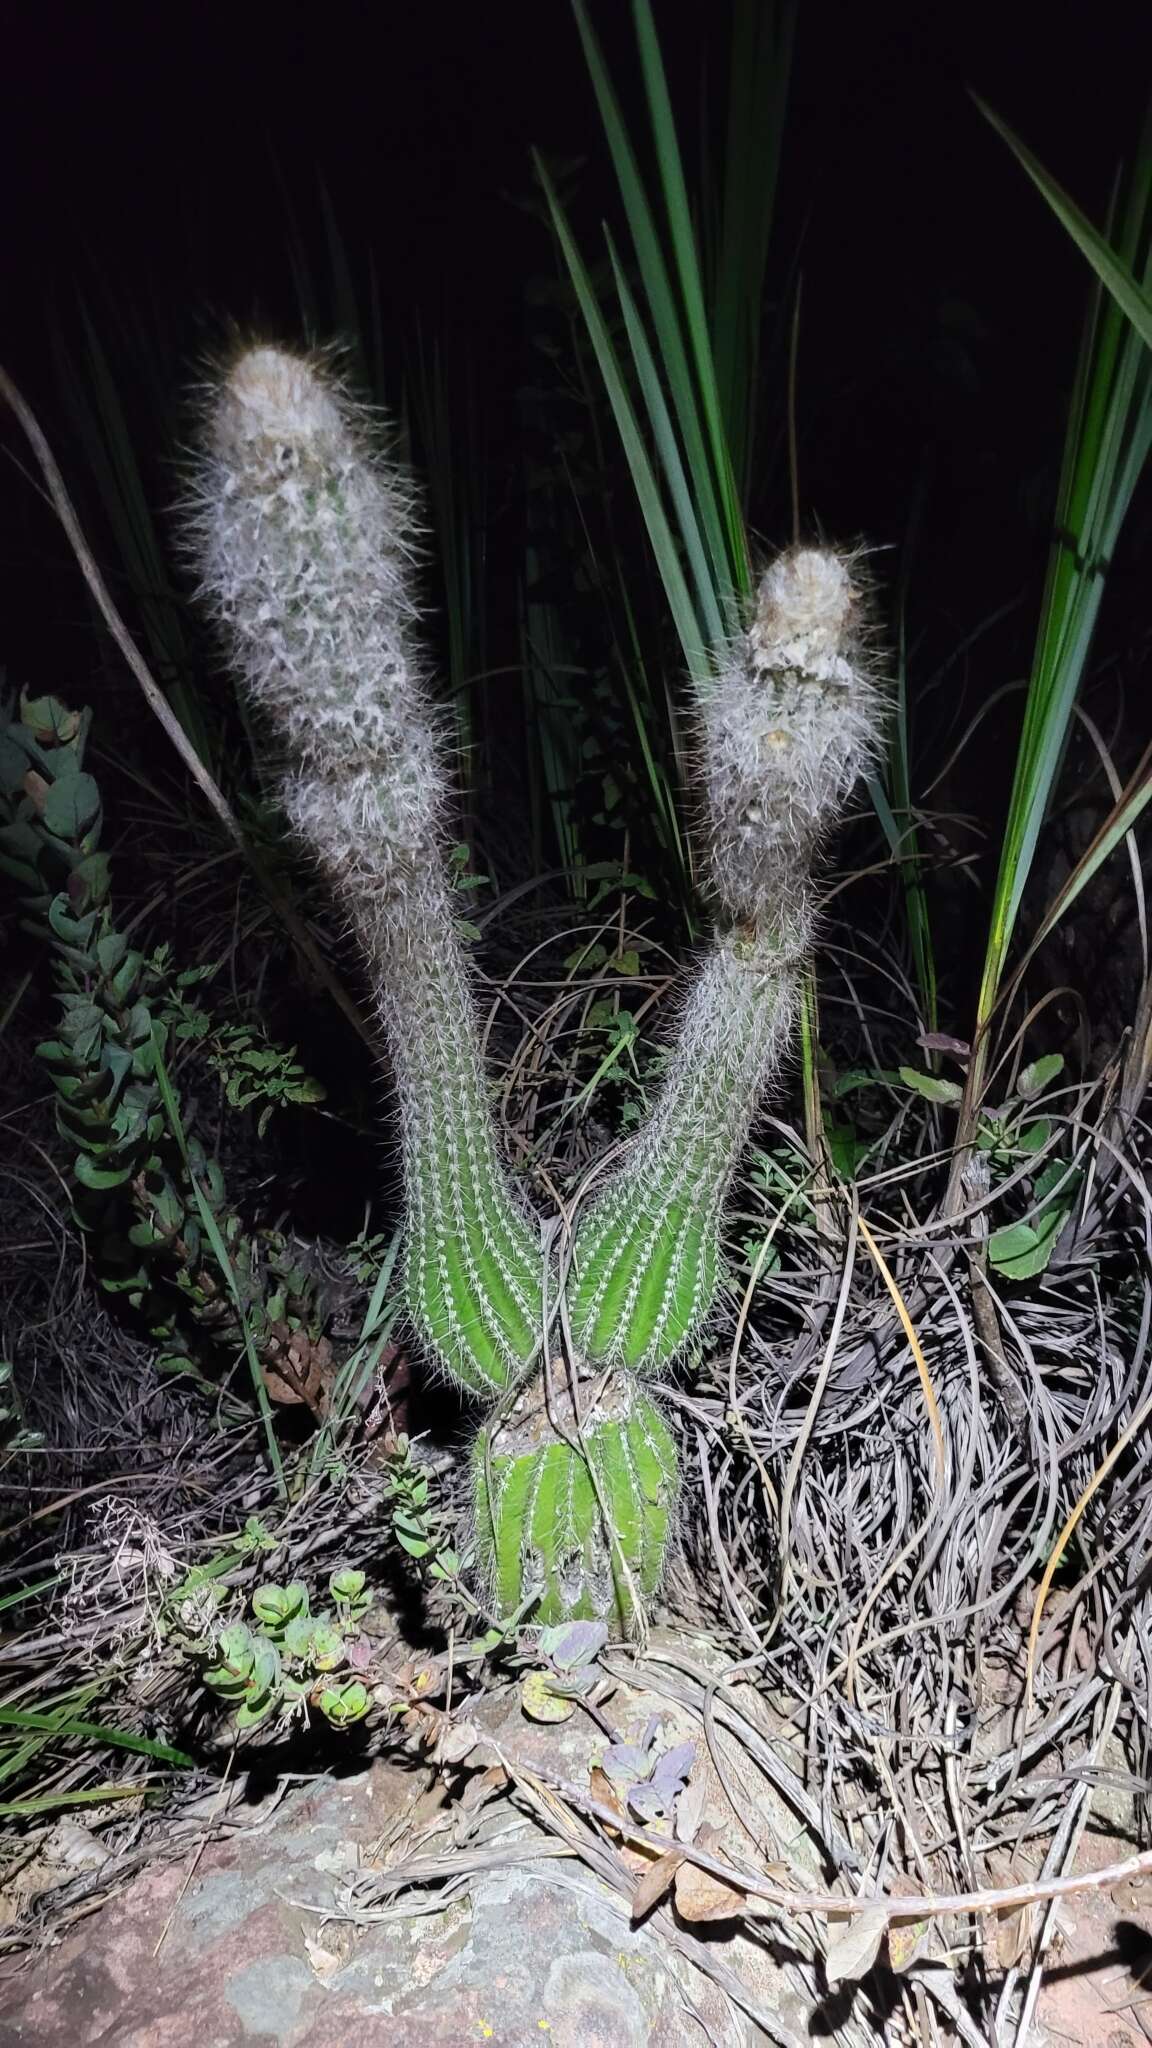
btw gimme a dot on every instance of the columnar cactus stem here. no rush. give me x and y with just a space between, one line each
303 534
646 1258
786 730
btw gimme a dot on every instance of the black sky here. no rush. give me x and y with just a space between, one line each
155 156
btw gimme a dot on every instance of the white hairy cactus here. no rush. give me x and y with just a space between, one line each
304 537
786 728
302 534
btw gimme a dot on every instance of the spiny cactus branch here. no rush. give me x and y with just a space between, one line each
646 1258
303 535
786 729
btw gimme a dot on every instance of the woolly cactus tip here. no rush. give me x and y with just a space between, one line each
271 395
788 727
808 609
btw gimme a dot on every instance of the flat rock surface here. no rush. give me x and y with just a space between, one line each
242 1954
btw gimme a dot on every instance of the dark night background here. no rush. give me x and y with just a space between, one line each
153 161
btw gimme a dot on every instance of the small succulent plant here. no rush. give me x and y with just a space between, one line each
287 1658
647 1778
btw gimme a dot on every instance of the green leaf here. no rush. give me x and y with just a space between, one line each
1033 1137
1035 1078
342 1705
1022 1250
91 1174
110 951
74 931
847 1149
931 1086
72 806
249 1715
327 1646
50 722
90 881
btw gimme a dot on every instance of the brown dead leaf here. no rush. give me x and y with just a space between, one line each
853 1944
699 1895
325 1962
298 1369
482 1787
457 1740
604 1793
650 1888
632 1854
1013 1935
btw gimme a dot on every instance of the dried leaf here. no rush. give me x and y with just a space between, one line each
699 1895
942 1041
853 1944
603 1791
457 1740
650 1888
483 1787
905 1942
1013 1935
324 1963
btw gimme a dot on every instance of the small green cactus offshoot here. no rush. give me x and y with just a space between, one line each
301 531
572 1509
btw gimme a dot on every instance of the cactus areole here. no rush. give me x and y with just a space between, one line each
301 531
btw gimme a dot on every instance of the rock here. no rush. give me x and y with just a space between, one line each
270 1942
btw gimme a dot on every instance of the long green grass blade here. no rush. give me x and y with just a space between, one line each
96 1731
759 76
679 214
1130 292
50 1802
1107 444
664 312
687 623
669 453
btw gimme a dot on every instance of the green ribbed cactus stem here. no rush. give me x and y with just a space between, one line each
302 533
576 1516
786 729
646 1258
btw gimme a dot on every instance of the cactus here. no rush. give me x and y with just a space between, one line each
787 727
302 533
573 1511
303 538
